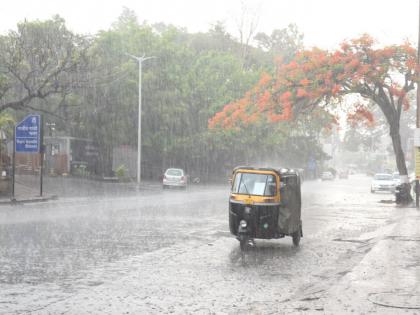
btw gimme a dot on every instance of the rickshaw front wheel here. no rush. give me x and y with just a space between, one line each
296 237
243 242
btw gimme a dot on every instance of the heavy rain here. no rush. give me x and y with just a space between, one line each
240 163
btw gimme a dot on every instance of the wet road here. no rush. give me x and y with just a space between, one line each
171 252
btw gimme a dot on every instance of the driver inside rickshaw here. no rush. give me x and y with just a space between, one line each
256 184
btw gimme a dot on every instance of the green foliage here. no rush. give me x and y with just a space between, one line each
39 60
192 77
121 171
282 42
6 121
181 89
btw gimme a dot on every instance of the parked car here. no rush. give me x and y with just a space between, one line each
327 176
383 182
396 178
174 177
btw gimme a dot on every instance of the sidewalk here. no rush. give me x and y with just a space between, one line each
27 188
387 280
26 199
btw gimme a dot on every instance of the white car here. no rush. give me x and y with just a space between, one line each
383 182
174 177
327 176
397 179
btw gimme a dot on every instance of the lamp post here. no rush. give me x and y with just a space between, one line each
417 117
140 61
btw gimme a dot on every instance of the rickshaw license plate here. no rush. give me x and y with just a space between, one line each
249 201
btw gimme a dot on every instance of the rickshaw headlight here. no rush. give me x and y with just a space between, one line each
243 224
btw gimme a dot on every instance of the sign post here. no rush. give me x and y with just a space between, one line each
417 166
417 162
312 167
13 165
28 139
416 133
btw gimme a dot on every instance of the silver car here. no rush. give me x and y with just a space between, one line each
382 182
175 177
327 176
396 177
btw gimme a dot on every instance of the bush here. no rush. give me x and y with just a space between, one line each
121 171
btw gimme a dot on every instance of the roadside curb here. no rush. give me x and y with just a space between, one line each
27 200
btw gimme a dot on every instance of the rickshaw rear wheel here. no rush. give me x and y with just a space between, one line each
296 237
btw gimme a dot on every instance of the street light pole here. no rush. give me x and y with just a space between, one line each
140 61
417 113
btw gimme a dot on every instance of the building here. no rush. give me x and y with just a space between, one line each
70 155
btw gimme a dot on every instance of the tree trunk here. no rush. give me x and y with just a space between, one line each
403 192
399 153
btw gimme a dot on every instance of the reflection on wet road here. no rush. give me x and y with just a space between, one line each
53 245
171 252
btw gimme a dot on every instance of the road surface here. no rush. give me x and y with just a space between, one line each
171 252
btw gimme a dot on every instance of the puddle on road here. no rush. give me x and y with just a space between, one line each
398 299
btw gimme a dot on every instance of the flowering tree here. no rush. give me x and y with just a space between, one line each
320 79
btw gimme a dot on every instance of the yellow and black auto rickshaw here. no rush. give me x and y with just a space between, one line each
265 203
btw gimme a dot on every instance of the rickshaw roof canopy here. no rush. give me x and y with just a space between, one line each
278 171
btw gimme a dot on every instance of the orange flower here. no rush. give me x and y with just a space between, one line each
411 63
316 75
361 114
388 52
336 88
336 58
253 118
354 63
363 69
301 93
265 79
345 46
292 65
397 91
263 100
285 97
305 82
408 49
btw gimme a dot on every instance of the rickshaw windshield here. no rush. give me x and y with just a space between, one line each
254 184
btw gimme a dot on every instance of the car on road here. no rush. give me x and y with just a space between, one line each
174 177
396 178
327 176
383 182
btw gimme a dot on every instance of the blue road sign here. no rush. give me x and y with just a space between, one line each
311 163
28 135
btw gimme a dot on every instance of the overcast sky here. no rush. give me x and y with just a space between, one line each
324 23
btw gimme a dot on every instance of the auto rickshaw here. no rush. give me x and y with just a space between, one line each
265 203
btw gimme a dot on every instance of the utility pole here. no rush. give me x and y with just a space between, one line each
140 61
417 113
